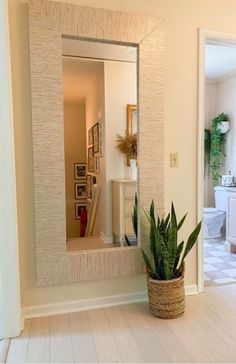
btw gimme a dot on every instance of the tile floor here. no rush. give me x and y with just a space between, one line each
219 266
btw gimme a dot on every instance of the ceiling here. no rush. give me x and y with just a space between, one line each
83 61
98 50
78 77
219 60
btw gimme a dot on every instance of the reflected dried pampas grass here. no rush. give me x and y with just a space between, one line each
127 145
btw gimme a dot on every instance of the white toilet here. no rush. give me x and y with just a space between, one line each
214 218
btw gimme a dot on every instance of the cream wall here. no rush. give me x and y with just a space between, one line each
120 90
75 152
183 17
95 111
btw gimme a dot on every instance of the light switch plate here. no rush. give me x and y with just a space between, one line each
174 159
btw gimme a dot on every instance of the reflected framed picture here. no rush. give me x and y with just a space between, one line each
96 138
80 191
132 119
101 133
96 164
90 136
89 183
80 171
79 208
90 159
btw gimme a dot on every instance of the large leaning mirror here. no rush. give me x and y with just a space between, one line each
98 138
100 142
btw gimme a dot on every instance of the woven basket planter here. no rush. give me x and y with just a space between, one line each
166 298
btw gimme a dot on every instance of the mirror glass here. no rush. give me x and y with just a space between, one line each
100 143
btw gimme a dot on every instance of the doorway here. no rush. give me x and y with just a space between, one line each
216 161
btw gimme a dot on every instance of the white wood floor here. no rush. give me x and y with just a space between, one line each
206 333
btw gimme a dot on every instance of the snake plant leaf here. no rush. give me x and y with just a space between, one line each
135 220
173 216
167 221
154 242
172 243
149 265
152 212
191 240
135 216
181 222
178 254
164 254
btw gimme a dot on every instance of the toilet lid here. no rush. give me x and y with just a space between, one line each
210 210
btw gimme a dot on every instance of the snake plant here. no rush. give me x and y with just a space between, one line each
165 260
134 221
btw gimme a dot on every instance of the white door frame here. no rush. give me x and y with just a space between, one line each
10 308
204 36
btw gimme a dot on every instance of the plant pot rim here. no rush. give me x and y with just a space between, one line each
162 281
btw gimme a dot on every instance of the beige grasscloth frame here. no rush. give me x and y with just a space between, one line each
48 23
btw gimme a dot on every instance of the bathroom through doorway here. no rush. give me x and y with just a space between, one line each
219 160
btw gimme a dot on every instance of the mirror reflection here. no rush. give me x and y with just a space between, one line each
100 142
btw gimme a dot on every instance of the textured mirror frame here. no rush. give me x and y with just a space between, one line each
48 23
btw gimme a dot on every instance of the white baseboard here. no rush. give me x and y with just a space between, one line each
89 304
83 305
191 289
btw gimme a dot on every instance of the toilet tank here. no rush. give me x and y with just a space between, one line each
221 202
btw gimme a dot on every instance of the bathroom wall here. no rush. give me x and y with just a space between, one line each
75 152
220 96
225 102
183 18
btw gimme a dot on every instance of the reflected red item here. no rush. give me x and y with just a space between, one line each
83 222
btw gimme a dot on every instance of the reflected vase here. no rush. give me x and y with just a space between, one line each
133 169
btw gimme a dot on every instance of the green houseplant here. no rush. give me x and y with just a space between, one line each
217 153
207 148
165 263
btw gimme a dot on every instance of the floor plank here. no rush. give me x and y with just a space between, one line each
175 350
125 341
60 340
82 338
17 352
105 345
151 349
39 341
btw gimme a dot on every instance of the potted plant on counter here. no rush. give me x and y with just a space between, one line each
165 264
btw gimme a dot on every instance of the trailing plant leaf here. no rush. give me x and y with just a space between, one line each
217 154
207 148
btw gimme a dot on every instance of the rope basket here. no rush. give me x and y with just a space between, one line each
166 298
